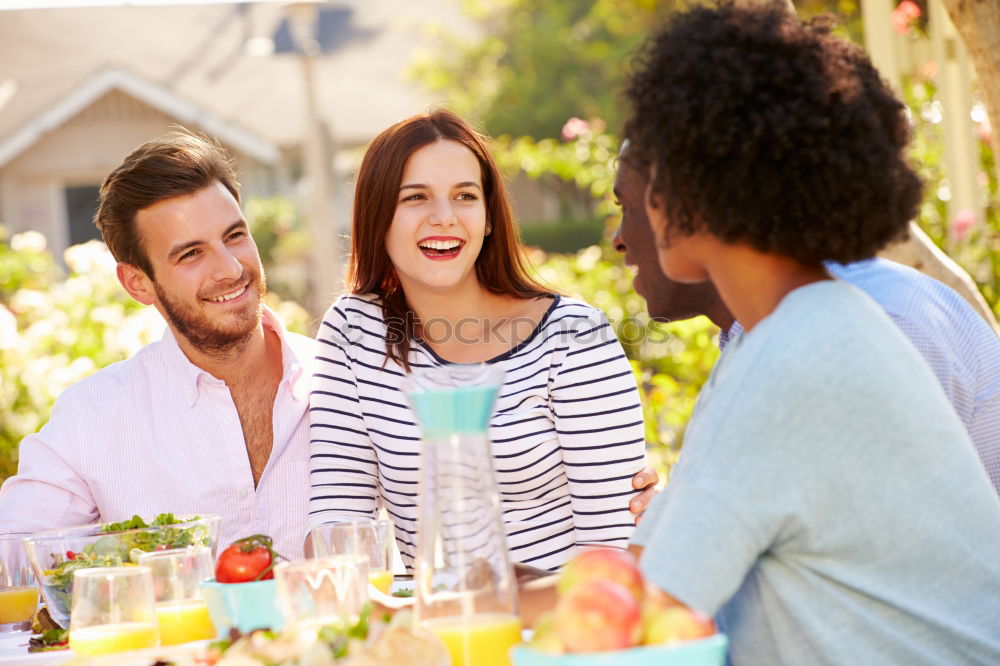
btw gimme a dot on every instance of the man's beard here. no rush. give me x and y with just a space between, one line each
206 336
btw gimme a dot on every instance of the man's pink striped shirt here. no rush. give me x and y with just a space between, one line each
155 434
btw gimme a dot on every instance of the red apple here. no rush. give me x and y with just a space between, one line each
545 638
598 615
675 624
610 564
655 601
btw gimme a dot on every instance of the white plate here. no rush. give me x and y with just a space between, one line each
14 650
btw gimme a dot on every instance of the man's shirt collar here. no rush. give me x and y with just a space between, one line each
191 379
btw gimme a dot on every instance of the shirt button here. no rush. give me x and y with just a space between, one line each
245 493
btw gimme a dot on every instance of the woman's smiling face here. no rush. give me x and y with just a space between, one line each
438 228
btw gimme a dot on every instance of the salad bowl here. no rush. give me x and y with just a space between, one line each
56 554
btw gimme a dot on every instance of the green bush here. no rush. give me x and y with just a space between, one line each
671 361
564 236
279 231
54 332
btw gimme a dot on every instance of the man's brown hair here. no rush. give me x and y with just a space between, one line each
177 164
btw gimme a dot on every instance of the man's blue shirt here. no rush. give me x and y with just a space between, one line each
960 347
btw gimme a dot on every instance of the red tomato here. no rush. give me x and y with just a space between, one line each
238 566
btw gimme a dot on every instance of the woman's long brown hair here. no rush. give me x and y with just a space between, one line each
500 267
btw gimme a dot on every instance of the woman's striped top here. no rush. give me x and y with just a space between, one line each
567 432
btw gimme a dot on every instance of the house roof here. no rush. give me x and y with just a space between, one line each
197 64
157 96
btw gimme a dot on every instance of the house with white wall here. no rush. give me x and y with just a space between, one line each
81 88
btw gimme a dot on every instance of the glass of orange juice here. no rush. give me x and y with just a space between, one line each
18 591
181 612
113 610
375 539
321 591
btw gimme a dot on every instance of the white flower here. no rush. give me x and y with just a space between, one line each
30 300
65 336
42 328
8 329
109 315
28 241
587 258
135 331
69 374
89 257
76 288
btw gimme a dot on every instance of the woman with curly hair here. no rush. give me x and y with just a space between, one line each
437 276
828 506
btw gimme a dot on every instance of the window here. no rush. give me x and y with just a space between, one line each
81 204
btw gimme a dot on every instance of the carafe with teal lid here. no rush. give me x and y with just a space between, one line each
464 584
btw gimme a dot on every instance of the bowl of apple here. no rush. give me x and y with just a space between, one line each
607 615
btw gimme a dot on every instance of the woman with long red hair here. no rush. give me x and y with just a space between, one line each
437 276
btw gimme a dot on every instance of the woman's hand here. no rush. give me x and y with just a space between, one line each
645 480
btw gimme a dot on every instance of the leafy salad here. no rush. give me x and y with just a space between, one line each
118 549
366 641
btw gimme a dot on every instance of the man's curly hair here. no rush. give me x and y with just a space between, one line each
766 130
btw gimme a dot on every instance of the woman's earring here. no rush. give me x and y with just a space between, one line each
489 229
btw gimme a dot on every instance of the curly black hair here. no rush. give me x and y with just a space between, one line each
767 130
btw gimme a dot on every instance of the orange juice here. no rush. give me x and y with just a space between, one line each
107 638
17 604
478 640
184 621
381 579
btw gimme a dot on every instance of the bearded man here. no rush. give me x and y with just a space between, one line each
212 418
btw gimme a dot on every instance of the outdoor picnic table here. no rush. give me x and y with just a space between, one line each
14 650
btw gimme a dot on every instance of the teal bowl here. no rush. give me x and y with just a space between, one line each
709 651
245 606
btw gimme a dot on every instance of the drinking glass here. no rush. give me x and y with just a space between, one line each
18 591
323 590
181 613
114 610
363 536
465 586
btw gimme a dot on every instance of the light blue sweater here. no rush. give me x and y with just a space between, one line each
828 505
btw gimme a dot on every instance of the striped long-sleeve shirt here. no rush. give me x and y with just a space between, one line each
567 433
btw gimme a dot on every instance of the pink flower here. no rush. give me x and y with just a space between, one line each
963 221
573 128
984 130
903 15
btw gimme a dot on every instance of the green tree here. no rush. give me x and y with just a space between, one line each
540 62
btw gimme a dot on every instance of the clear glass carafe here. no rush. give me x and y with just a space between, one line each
465 587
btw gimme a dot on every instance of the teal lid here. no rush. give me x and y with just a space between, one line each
463 411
